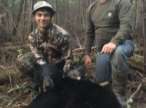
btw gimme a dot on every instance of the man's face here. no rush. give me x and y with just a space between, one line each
42 18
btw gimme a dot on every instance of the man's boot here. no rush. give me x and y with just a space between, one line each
119 87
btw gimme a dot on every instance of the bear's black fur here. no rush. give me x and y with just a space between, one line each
69 93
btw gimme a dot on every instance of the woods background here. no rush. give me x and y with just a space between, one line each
15 17
16 24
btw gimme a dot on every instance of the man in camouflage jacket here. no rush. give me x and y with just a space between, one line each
50 48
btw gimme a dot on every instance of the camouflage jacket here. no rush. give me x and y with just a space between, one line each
52 46
108 22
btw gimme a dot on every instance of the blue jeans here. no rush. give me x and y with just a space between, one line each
108 64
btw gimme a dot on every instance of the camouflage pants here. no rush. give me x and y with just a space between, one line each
115 67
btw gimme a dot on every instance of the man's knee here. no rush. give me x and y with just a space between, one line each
103 59
119 58
119 52
125 50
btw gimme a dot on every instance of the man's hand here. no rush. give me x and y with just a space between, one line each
108 48
87 61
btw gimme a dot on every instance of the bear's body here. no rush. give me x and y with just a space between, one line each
69 93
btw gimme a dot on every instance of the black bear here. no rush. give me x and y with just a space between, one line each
70 93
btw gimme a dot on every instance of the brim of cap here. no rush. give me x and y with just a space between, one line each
49 9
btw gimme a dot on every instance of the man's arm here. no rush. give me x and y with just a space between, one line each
90 35
123 9
37 54
47 80
67 53
124 18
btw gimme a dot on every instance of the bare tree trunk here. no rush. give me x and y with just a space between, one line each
144 31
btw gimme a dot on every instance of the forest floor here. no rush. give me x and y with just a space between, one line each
15 91
18 94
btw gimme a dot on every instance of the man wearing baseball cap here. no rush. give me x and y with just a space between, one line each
50 50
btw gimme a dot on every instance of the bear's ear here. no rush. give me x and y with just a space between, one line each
76 73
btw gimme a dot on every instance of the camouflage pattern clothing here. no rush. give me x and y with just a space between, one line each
51 46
